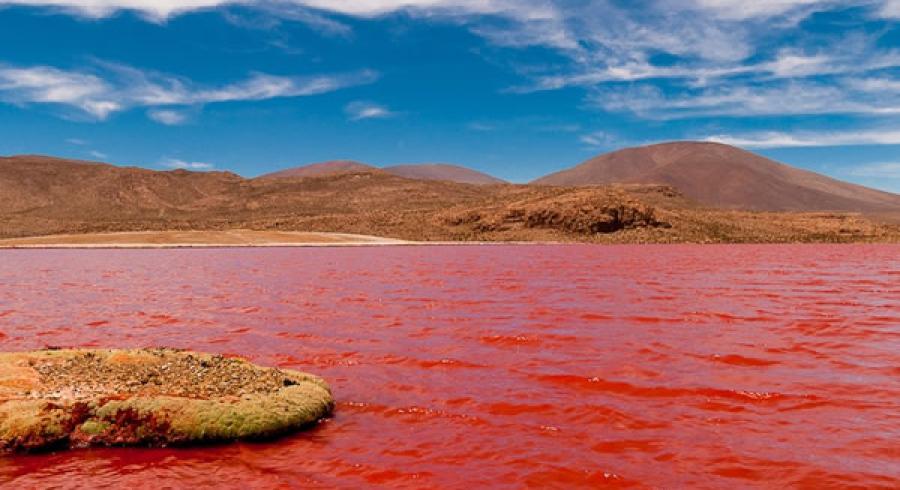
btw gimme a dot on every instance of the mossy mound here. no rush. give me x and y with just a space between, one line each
151 397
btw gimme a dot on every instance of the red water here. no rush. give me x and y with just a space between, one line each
502 367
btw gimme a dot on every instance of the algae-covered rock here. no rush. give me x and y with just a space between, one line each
78 398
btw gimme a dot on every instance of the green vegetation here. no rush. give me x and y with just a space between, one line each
79 398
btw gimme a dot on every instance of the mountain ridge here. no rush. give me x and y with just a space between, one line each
421 171
724 176
443 171
50 196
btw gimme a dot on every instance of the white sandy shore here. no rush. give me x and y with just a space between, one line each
220 239
199 239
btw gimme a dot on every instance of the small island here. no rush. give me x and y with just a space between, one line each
151 397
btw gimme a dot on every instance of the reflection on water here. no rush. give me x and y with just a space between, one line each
463 367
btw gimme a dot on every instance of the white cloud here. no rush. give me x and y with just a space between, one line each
747 99
154 9
146 88
163 9
98 154
787 64
76 141
176 163
368 8
274 13
631 72
790 64
597 139
725 47
167 116
530 9
360 110
810 139
722 60
481 127
53 86
748 9
891 9
115 88
883 170
875 84
848 57
540 124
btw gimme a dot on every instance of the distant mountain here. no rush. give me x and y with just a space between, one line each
724 176
441 171
52 188
320 169
444 172
45 196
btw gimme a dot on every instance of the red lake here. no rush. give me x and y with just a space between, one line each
501 366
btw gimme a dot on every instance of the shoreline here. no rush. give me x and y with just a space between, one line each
193 239
159 240
200 246
151 240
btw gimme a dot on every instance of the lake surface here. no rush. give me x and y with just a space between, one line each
502 366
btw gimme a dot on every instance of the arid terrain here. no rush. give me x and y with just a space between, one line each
42 196
427 171
723 176
443 171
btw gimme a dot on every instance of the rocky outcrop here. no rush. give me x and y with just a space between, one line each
583 213
152 397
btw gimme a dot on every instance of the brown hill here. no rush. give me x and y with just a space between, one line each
45 196
433 171
56 188
442 171
727 177
319 169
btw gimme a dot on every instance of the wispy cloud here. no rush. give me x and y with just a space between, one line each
891 9
76 141
786 98
786 64
49 85
176 163
482 127
559 128
853 77
113 88
167 116
159 10
875 85
741 9
98 154
883 170
776 139
360 110
531 9
270 15
720 56
532 123
598 139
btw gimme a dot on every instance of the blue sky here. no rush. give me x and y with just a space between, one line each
513 87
